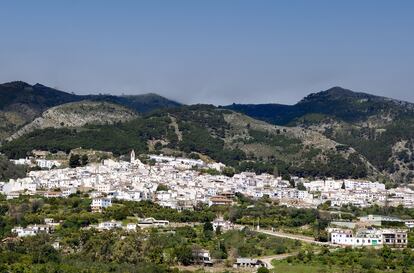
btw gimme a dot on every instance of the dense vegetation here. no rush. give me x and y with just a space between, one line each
377 147
145 103
204 130
200 129
152 250
118 138
269 214
42 97
9 170
350 260
370 124
335 165
21 103
38 97
336 102
159 250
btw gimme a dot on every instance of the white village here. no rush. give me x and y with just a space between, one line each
178 183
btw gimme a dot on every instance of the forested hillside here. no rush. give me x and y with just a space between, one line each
222 135
8 170
21 103
379 128
76 114
336 132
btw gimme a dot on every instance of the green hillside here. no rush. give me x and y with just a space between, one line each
338 103
223 135
9 170
381 129
21 103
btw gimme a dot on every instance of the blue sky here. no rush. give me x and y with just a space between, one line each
211 51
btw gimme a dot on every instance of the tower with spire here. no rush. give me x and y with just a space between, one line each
132 157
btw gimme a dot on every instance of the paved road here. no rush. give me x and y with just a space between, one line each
268 259
302 238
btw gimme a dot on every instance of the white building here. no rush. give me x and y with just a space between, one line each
47 164
31 230
222 224
100 203
368 237
108 225
151 222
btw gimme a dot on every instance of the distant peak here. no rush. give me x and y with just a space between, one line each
150 94
336 93
16 84
337 88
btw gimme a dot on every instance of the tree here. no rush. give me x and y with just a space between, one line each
228 171
84 160
158 146
301 187
162 187
218 230
74 161
263 270
208 226
208 230
286 177
194 156
184 255
9 170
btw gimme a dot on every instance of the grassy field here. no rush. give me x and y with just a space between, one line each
300 268
303 268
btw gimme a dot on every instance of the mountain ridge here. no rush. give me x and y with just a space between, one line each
21 103
226 136
380 128
77 114
339 125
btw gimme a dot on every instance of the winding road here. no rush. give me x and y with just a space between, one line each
302 238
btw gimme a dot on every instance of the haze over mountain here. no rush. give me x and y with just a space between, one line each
215 52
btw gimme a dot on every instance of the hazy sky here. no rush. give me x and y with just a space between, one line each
211 51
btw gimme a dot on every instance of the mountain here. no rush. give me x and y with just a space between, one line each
144 103
337 132
37 97
21 103
77 114
379 128
337 102
209 132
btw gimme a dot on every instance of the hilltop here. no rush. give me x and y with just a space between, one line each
337 102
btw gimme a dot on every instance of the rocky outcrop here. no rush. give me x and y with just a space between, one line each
78 114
